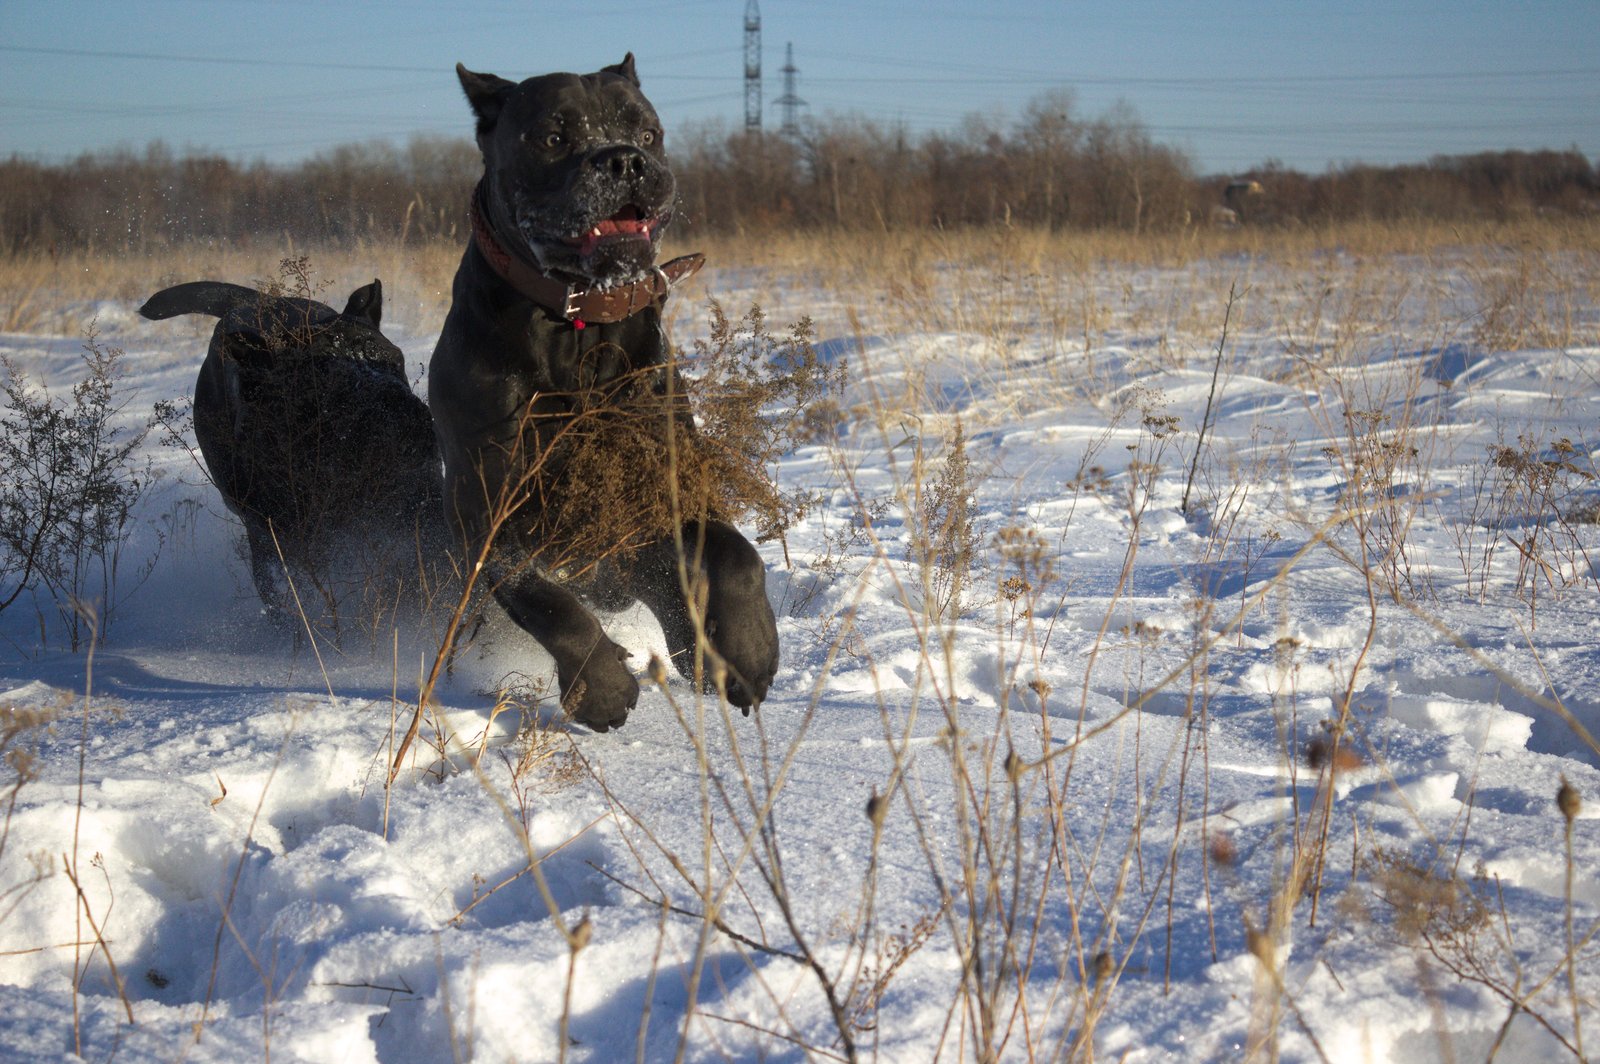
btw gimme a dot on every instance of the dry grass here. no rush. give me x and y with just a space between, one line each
752 395
22 730
800 251
45 293
37 291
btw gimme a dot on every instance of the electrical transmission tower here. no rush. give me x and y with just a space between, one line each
752 67
789 101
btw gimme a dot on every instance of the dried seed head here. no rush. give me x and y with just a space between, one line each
657 671
1103 966
1568 800
1259 943
1322 752
1014 766
581 933
1223 851
877 806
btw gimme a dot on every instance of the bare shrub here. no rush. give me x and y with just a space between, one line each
1534 487
949 542
1380 466
744 398
1463 925
70 478
1529 296
890 952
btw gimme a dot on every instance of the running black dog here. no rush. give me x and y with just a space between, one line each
557 301
307 424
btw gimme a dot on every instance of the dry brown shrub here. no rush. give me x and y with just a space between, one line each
742 398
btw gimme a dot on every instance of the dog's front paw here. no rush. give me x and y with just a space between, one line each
600 691
746 639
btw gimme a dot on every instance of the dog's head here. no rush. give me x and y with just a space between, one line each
575 174
355 333
266 330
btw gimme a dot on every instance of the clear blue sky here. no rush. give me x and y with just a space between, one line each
1309 83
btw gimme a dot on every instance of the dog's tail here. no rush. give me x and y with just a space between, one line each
215 298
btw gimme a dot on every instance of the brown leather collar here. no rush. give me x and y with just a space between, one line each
579 305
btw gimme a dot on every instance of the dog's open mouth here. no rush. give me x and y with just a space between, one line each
627 224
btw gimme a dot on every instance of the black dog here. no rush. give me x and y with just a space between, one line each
557 298
306 422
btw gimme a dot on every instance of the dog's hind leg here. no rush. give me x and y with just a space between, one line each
596 687
729 582
267 571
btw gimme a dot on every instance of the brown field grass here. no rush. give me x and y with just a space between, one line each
43 293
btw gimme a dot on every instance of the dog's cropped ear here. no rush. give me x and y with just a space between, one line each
366 303
486 93
624 69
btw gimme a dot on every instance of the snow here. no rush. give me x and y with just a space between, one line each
1037 823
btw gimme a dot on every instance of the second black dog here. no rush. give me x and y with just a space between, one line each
307 424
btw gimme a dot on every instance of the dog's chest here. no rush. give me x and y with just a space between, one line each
597 356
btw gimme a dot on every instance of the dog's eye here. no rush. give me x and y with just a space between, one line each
547 140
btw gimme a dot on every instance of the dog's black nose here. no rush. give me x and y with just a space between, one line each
621 161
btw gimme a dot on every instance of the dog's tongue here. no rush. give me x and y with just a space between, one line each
626 224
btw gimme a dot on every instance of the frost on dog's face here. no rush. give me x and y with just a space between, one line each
577 173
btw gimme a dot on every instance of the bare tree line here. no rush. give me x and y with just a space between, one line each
1499 185
126 201
1047 168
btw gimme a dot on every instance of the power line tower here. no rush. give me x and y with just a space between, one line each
752 67
789 101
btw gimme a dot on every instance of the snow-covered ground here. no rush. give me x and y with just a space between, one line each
1078 813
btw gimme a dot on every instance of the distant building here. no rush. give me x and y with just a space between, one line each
1242 200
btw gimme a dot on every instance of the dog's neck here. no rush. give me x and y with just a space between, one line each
578 305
